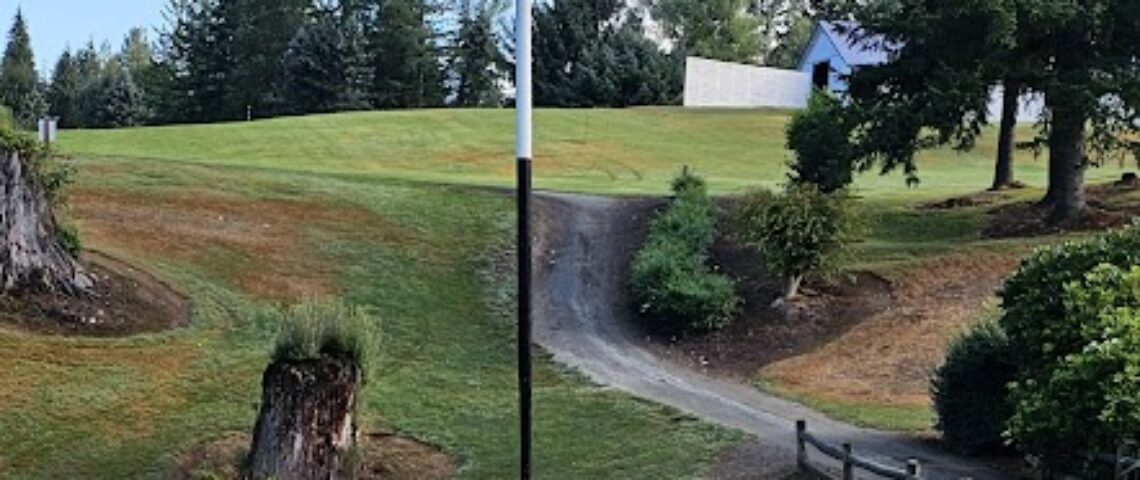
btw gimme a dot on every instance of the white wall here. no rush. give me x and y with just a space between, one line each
710 83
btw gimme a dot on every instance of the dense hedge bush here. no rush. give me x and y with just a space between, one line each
1071 320
671 280
970 390
820 136
1033 300
1086 401
800 231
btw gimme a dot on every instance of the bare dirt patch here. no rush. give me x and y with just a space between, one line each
261 247
125 301
379 456
887 358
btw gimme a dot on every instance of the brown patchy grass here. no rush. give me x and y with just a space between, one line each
887 359
262 247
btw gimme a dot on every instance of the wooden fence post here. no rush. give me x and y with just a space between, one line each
913 469
801 448
848 466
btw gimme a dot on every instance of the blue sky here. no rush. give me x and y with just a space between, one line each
54 24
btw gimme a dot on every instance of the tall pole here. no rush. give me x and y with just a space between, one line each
524 105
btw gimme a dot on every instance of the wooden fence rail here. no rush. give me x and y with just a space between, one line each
847 457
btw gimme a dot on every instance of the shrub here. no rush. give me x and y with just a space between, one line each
970 391
312 330
799 232
820 136
671 280
1033 299
1087 401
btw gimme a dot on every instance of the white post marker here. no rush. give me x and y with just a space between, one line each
524 106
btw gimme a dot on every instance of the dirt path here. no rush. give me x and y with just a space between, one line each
583 320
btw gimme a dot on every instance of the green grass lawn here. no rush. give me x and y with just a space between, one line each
232 238
604 151
414 251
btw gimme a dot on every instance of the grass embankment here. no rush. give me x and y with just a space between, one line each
635 151
240 240
880 367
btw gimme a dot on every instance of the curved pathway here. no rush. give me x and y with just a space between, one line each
581 309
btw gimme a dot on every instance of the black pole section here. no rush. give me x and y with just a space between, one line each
525 334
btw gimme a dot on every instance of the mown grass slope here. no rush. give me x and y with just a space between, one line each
240 241
604 151
634 151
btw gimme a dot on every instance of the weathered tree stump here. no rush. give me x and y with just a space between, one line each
306 424
31 256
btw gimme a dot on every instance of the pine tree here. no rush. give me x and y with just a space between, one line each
262 32
723 29
197 56
476 56
64 90
121 101
565 32
18 78
89 67
406 67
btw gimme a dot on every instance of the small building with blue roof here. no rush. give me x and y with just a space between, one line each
835 50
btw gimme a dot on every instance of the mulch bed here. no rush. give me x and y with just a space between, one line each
760 334
125 301
1026 220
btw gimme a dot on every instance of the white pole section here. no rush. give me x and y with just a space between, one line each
524 98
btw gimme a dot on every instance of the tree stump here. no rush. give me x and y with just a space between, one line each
31 256
306 424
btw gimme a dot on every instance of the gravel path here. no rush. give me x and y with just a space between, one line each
582 312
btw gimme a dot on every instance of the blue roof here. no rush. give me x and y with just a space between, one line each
854 47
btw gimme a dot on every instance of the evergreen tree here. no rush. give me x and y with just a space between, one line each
475 55
321 63
18 79
405 64
1084 59
64 90
197 57
121 101
89 66
262 32
719 29
627 69
565 32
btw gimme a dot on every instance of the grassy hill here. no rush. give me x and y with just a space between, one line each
606 151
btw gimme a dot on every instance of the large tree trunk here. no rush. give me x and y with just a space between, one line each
31 256
1067 164
306 423
1007 136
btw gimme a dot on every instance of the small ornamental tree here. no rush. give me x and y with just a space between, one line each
797 232
820 136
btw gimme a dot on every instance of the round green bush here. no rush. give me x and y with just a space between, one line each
970 391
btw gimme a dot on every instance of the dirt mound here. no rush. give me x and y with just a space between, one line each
379 456
126 301
1022 220
762 335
